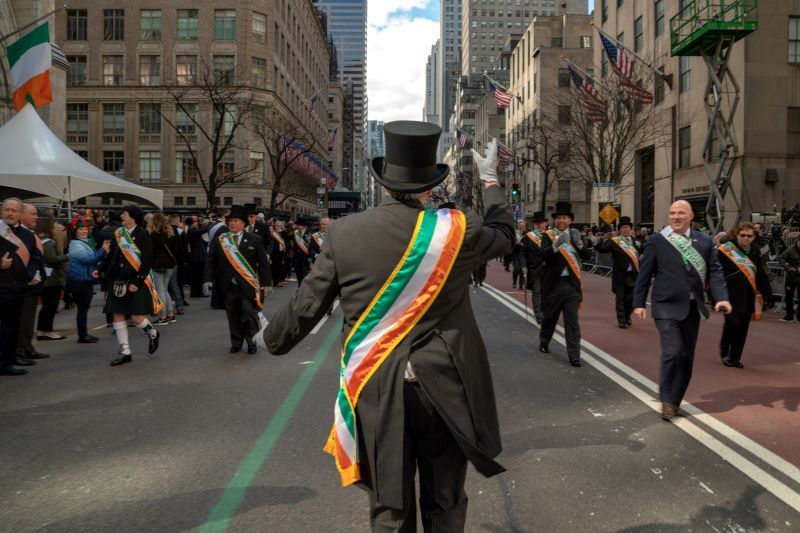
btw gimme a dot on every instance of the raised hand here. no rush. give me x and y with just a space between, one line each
487 165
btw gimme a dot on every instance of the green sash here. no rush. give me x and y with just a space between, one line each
688 253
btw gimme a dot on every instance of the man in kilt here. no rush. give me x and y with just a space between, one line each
131 289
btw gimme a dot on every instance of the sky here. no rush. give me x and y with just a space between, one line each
400 34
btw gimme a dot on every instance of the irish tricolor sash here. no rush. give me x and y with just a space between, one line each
394 311
298 239
568 252
536 237
8 234
240 264
134 257
278 239
629 249
748 268
318 237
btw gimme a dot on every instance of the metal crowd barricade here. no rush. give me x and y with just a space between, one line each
601 264
777 282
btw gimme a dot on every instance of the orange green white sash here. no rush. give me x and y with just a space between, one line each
318 238
629 250
394 311
240 264
278 239
298 239
568 252
536 237
748 268
134 257
22 251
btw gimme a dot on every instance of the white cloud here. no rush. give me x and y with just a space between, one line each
378 10
398 51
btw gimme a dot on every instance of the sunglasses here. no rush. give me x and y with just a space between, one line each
747 235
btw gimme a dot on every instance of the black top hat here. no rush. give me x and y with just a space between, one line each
238 211
250 209
625 221
135 212
410 163
539 216
564 208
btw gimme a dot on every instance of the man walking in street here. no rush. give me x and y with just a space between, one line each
534 260
625 251
518 257
25 349
683 262
416 391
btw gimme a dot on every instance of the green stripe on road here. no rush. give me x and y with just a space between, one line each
220 516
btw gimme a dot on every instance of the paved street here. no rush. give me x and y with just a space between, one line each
196 439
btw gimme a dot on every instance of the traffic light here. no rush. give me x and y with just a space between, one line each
515 193
321 201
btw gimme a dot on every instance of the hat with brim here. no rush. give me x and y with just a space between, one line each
539 216
238 211
625 221
410 163
250 209
564 208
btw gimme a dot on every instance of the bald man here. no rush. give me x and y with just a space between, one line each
683 263
25 349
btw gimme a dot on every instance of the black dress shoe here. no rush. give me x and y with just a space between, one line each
152 345
628 322
252 348
575 362
46 338
544 348
622 326
11 371
236 349
88 339
24 361
122 359
36 355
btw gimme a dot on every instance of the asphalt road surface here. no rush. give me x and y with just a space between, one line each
197 439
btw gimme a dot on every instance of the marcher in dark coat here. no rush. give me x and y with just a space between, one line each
534 261
25 349
258 227
302 253
278 256
430 404
748 289
625 250
518 256
683 262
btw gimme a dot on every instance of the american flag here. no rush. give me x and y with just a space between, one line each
310 105
464 185
332 136
593 104
504 157
501 96
622 63
461 137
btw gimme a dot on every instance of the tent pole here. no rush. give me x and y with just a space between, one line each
69 197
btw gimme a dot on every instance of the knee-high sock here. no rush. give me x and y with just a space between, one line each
147 327
121 331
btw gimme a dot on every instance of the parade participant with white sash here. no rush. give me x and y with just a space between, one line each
748 287
625 250
238 267
563 250
131 286
534 260
683 263
415 383
278 256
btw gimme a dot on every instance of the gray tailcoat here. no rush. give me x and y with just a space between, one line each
445 348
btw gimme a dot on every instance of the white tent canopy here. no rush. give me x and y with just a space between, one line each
33 159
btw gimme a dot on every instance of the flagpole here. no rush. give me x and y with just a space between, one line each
658 72
585 74
501 86
25 27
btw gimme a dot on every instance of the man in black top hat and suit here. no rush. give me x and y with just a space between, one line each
242 295
563 250
302 253
429 405
625 250
258 227
683 262
534 259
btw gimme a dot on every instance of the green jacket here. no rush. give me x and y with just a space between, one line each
55 259
790 259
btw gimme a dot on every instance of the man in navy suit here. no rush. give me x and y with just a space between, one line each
683 263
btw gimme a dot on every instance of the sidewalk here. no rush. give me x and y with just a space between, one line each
760 401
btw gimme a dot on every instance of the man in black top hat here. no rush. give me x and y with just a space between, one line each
258 227
563 249
625 250
534 259
238 267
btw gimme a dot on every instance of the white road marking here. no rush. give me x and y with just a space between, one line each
324 319
622 375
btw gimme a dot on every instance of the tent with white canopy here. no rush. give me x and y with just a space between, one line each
34 160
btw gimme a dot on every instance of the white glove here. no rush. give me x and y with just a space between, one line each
207 288
562 239
487 165
575 238
258 338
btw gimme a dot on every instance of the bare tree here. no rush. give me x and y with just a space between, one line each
231 104
542 141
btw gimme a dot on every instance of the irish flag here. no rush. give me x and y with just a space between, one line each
30 61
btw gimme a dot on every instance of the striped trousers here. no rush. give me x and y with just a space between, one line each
429 448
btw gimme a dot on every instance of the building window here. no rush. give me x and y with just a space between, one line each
186 121
77 23
188 24
185 169
620 3
178 201
224 24
78 123
585 41
114 163
149 123
225 168
621 38
150 25
257 164
563 78
659 11
564 192
684 146
228 122
604 10
260 27
113 71
603 65
715 149
259 72
83 154
794 39
113 24
658 93
76 75
113 123
556 42
638 34
185 70
563 114
191 200
149 167
227 200
223 69
150 70
685 73
793 131
257 201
